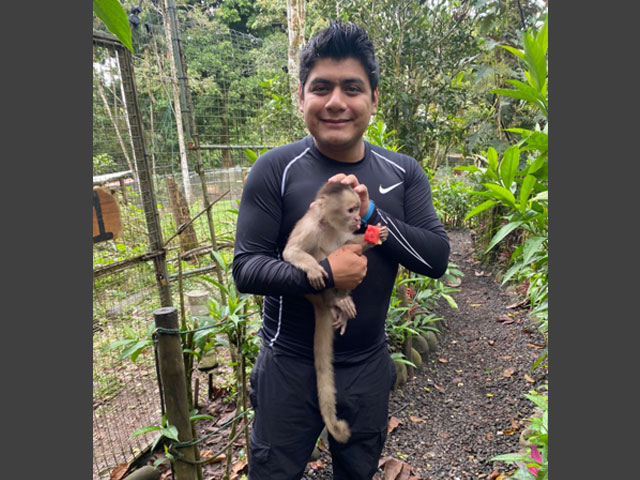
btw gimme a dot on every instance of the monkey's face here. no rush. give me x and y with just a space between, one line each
344 211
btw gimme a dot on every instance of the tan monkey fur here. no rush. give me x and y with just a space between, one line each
328 224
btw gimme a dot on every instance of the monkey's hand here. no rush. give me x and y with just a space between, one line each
316 275
384 232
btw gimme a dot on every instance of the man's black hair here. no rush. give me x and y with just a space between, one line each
340 41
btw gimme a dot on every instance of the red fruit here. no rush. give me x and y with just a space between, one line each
372 235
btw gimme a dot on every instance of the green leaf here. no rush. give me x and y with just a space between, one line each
511 457
480 208
525 190
536 165
201 417
509 165
147 429
452 303
467 168
542 196
513 270
115 19
171 432
531 246
515 51
503 232
492 158
501 194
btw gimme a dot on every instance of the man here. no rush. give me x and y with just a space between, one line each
338 95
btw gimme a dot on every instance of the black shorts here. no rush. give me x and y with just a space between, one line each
287 421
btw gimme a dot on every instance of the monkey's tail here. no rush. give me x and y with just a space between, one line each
323 359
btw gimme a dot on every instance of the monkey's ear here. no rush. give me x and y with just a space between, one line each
313 204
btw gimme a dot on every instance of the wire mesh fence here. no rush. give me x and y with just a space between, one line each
156 223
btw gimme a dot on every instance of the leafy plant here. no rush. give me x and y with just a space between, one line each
167 430
377 134
452 199
103 163
533 464
132 345
520 186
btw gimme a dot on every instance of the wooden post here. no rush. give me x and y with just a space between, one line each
174 388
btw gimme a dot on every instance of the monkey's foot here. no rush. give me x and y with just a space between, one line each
346 306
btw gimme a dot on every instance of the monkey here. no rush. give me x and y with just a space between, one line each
328 224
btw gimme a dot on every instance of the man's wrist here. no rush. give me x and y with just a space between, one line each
367 215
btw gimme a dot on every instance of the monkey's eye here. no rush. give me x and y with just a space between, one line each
352 209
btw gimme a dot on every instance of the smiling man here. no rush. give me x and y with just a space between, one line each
338 94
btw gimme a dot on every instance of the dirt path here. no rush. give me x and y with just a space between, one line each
466 404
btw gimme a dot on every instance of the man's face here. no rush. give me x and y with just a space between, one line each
337 107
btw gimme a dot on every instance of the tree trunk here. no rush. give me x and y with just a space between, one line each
184 162
295 23
180 210
117 130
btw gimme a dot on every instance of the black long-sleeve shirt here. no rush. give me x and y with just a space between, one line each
278 190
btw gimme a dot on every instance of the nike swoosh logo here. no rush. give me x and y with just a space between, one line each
384 190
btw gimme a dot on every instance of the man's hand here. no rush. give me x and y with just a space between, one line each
348 266
359 188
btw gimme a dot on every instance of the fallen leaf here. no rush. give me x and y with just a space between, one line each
517 304
118 472
219 459
226 418
535 345
393 424
475 304
508 372
443 360
454 283
479 273
237 468
509 431
514 424
528 378
393 469
417 419
491 342
438 387
494 475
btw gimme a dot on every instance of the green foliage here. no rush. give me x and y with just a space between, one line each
115 19
416 317
103 163
132 345
452 198
378 134
538 437
520 185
